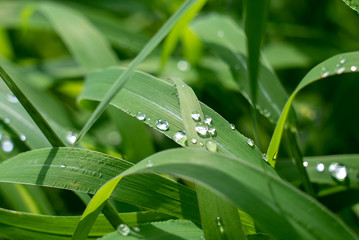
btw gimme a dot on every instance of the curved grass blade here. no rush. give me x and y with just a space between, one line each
354 4
86 171
264 196
343 63
226 39
84 41
157 99
210 205
120 82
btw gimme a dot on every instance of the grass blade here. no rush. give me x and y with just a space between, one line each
120 82
343 63
354 4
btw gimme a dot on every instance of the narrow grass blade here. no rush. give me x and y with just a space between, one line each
214 210
120 82
343 63
40 121
354 4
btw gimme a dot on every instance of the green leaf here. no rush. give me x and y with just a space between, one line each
120 82
343 63
227 39
157 99
354 4
172 229
86 171
85 42
264 196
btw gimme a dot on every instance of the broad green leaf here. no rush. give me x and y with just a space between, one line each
343 63
354 4
172 229
211 206
85 42
86 171
126 75
265 197
227 39
157 99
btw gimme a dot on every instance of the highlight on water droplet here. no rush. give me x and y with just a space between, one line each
325 74
340 70
7 145
201 130
193 140
320 167
22 137
265 157
211 146
353 68
71 137
232 126
149 164
62 165
162 124
212 131
342 60
208 120
141 116
305 164
12 98
183 65
196 116
180 137
250 142
136 229
123 229
219 221
338 171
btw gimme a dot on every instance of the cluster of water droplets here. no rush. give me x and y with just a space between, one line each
337 171
6 142
339 68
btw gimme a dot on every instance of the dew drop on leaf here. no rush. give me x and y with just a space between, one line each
338 171
193 140
211 146
265 157
353 68
196 116
62 165
305 164
320 167
250 142
180 137
232 126
149 164
212 131
22 137
201 130
141 116
208 120
340 70
71 137
123 229
7 145
162 124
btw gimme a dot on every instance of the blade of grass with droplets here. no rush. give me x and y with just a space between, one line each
157 99
120 82
86 171
343 63
354 4
40 121
214 210
227 40
264 196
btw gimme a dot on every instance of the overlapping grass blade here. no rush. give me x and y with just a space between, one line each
211 206
343 63
120 82
86 171
223 36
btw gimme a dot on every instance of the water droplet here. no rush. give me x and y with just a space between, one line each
162 124
62 165
193 140
71 137
219 221
148 119
265 157
12 98
305 164
149 164
7 120
342 60
196 116
201 130
201 144
266 113
220 34
325 74
123 229
353 68
250 142
7 145
141 116
208 120
22 137
340 70
211 146
136 229
212 131
338 171
180 137
320 167
183 65
232 126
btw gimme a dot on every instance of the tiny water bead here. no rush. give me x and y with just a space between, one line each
338 171
180 137
22 137
265 157
149 164
219 221
305 164
141 116
12 98
340 70
71 137
232 126
320 167
250 142
325 74
62 165
162 124
123 229
193 140
183 65
353 68
211 146
136 229
342 60
196 116
208 120
266 113
212 131
202 130
7 146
